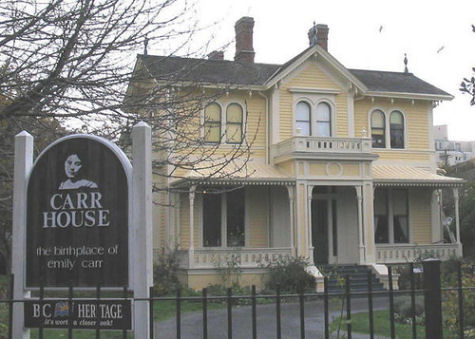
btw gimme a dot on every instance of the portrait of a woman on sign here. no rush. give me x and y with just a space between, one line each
74 169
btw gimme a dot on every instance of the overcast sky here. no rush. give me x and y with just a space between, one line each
436 35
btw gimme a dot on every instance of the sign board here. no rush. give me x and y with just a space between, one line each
77 231
111 315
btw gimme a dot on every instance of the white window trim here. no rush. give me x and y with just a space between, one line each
313 103
387 127
310 104
202 127
332 115
404 126
223 104
225 120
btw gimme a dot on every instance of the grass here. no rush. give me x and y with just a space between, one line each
164 310
360 324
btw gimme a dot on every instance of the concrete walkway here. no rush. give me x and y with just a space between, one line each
191 323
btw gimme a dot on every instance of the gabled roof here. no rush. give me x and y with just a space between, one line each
263 76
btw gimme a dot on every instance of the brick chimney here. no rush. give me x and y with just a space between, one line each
322 36
216 55
244 47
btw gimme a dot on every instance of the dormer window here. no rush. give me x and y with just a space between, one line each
234 120
303 118
324 128
378 129
396 129
212 123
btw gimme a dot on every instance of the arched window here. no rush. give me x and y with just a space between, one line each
234 124
212 123
324 122
302 121
378 132
396 128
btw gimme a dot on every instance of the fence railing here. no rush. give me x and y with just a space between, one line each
431 290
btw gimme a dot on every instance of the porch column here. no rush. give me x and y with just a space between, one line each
368 222
309 223
191 249
457 221
301 222
437 232
290 190
172 220
359 199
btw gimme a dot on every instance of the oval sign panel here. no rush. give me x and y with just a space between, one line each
78 215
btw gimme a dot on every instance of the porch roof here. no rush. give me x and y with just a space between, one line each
234 172
391 175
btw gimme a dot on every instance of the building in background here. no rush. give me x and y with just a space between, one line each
451 152
341 166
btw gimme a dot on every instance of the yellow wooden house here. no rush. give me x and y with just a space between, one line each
339 165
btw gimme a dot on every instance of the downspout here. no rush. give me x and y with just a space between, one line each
267 126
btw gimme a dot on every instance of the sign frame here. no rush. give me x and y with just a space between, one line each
128 170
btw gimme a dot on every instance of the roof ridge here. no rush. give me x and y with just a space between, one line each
204 59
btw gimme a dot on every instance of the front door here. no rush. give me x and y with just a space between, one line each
320 230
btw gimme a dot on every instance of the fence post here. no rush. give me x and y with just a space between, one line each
432 298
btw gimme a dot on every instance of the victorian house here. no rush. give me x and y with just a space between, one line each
340 165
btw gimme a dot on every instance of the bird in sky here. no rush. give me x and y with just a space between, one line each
381 28
440 49
473 28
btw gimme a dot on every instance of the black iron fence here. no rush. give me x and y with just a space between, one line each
431 290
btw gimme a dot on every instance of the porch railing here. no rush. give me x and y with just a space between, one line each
387 254
321 145
242 257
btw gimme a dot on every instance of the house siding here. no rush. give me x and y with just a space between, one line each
420 216
416 115
258 208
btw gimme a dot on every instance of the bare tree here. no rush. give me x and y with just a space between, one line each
69 63
468 85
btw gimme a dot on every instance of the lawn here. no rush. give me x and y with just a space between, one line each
360 324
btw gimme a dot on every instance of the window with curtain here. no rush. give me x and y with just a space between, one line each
324 120
234 120
378 132
302 122
400 216
396 127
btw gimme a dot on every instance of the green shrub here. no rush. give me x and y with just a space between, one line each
165 274
289 274
403 309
